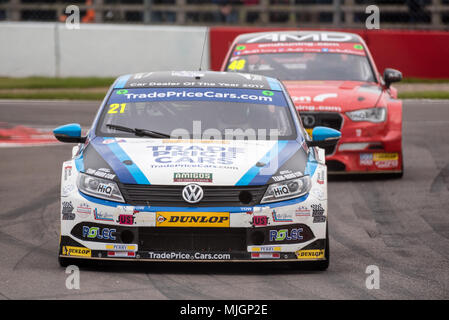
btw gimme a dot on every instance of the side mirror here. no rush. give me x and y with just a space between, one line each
324 137
69 133
390 76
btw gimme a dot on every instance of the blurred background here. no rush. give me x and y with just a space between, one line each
118 37
416 14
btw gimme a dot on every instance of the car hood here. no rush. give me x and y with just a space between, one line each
171 162
334 96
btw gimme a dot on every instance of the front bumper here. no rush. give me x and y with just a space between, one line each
366 147
292 230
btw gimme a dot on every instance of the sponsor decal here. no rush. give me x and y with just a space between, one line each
301 47
189 74
265 255
287 234
292 234
366 159
385 156
103 216
260 220
192 219
171 255
76 251
67 172
127 219
105 188
121 247
307 37
318 194
320 177
266 249
194 155
281 191
310 254
67 211
286 175
386 160
67 189
102 172
302 211
192 177
316 108
318 213
281 217
200 94
99 233
83 210
122 254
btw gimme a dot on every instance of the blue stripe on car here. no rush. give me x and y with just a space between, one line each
275 163
114 162
254 171
274 84
122 81
137 174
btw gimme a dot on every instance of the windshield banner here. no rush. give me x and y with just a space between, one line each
267 97
308 47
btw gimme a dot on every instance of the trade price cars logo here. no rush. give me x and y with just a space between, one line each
192 219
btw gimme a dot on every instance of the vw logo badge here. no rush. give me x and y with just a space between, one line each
308 120
192 193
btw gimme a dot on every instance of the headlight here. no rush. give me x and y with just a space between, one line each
371 115
287 190
98 187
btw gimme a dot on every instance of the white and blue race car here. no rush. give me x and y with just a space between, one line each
195 166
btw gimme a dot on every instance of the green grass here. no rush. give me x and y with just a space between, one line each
43 82
92 82
424 81
54 95
424 95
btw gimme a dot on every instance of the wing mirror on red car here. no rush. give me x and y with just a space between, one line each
324 137
391 75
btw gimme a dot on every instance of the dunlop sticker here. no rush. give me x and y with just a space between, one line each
192 219
76 251
310 254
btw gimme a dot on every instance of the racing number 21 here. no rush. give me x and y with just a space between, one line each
113 108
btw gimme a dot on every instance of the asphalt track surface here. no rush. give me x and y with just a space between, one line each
399 225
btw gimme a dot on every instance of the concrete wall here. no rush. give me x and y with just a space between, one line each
99 50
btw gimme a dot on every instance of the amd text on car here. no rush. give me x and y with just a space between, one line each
147 183
333 81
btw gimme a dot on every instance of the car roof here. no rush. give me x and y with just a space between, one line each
298 36
196 79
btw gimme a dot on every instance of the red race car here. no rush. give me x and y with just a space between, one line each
333 82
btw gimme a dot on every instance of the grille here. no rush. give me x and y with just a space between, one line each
171 196
325 119
197 239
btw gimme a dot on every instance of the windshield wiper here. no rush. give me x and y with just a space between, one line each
139 132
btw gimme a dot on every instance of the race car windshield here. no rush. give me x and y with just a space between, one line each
198 113
305 66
